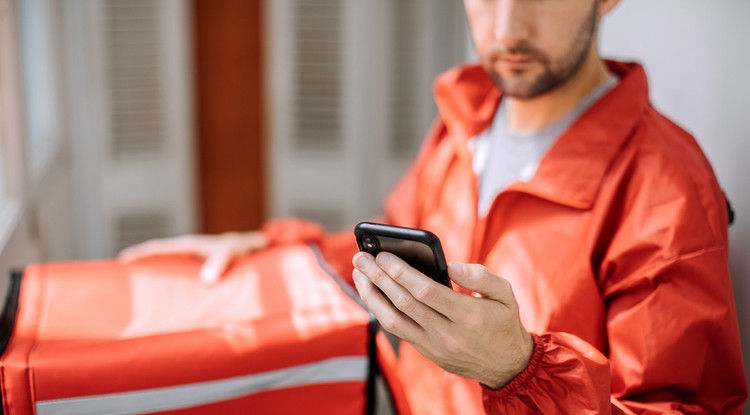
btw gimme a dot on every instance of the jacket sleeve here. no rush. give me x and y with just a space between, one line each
565 376
671 326
674 338
673 348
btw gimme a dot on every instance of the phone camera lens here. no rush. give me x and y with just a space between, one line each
369 243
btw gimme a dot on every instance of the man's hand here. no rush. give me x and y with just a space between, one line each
218 250
479 337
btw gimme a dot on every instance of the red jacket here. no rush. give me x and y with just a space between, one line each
616 250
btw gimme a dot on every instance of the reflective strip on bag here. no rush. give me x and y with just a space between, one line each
345 369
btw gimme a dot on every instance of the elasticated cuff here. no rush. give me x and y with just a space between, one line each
520 381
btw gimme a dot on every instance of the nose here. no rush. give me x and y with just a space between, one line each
511 23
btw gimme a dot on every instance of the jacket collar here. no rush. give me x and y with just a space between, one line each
572 170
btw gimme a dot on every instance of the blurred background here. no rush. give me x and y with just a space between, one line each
123 120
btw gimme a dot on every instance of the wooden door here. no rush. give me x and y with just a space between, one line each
229 113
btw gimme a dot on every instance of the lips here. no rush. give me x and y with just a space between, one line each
516 59
515 63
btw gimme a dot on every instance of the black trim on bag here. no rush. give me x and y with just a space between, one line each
730 213
8 317
374 368
373 327
10 311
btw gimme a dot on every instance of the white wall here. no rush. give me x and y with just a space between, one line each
696 54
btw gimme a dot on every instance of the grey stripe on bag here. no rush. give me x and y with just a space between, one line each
345 369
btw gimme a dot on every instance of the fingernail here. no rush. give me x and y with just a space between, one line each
383 258
363 261
458 268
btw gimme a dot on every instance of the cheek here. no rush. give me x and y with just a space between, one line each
481 27
557 32
484 47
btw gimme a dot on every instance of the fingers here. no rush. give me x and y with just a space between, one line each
258 241
239 242
391 319
479 279
155 247
414 294
217 250
425 290
135 252
214 267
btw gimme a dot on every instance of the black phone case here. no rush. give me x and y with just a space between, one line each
422 236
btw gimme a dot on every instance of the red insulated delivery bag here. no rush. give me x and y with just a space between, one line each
279 334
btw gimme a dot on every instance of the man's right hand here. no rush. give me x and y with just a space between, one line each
217 250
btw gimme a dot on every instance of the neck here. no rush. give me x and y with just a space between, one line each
531 115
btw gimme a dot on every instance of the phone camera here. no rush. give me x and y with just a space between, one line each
369 243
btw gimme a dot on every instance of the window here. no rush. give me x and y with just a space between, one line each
42 73
11 172
2 157
357 77
128 113
14 247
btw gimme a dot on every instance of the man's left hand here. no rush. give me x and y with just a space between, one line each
479 337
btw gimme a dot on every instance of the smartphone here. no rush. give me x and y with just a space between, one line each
419 248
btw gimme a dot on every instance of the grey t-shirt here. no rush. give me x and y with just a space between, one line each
502 157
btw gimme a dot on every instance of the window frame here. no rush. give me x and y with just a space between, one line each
15 249
40 46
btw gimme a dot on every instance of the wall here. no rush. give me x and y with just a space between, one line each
696 56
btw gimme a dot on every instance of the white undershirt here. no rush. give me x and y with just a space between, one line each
501 157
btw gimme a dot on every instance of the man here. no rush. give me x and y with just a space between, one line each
600 227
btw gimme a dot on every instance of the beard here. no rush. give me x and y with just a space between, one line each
554 72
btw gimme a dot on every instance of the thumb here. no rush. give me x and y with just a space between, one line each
214 267
478 278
